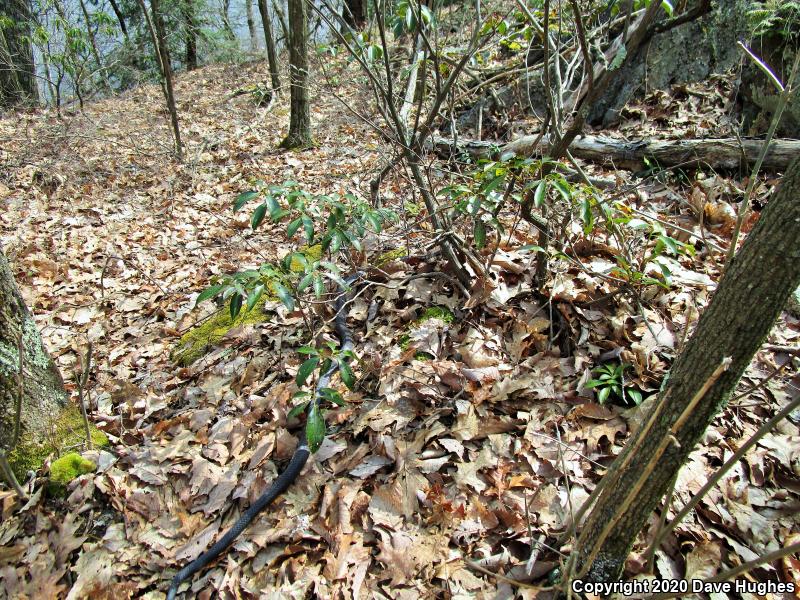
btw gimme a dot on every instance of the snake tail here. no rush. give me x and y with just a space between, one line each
279 486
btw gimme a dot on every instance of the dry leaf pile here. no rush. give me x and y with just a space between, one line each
467 437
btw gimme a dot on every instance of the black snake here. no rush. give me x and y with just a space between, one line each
296 464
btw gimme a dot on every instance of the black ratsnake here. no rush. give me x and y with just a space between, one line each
296 464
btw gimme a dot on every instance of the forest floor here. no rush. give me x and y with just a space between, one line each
479 448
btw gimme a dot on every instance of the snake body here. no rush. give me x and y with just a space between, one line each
296 464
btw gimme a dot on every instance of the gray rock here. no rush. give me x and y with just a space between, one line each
688 53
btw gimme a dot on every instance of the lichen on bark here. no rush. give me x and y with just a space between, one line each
48 422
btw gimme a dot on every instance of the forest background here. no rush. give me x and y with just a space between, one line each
576 322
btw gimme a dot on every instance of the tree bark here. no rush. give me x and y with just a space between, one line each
226 21
17 69
724 153
120 18
159 36
251 25
749 299
191 34
93 45
354 13
269 41
300 119
37 395
276 4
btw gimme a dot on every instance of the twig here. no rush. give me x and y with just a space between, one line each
673 226
757 386
10 477
650 555
503 578
763 66
81 379
695 499
633 491
744 208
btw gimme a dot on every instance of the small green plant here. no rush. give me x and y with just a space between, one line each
323 359
364 46
780 17
496 182
347 220
609 383
407 15
644 251
654 253
515 32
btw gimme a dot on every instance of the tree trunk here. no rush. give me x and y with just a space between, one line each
191 34
226 21
159 36
93 45
277 5
251 25
269 39
70 64
17 69
120 17
300 119
749 299
38 396
354 13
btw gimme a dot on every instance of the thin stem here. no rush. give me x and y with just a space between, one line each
744 208
695 500
650 555
82 378
8 473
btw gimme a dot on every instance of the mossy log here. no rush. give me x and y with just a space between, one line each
202 338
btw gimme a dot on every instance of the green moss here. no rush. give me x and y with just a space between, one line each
312 253
437 312
67 468
413 209
199 340
69 432
71 423
28 456
403 341
390 256
433 312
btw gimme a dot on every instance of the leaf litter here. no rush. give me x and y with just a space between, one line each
468 440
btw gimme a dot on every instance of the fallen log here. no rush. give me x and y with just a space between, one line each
723 153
